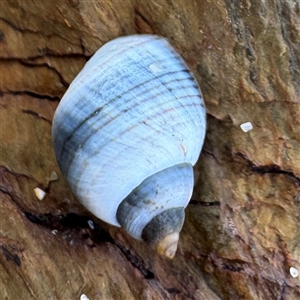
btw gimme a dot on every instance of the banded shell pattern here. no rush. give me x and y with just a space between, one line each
126 135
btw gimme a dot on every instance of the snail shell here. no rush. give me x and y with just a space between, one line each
126 135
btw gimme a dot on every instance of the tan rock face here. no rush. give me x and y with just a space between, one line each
241 235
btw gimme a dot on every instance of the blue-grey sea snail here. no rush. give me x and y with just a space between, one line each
126 135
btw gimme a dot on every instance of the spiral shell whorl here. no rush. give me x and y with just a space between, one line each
165 190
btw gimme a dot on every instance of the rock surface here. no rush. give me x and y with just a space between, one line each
241 235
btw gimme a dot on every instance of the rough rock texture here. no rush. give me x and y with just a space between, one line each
241 233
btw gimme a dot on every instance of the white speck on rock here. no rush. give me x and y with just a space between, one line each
246 126
84 297
91 224
53 176
294 272
232 226
39 193
54 231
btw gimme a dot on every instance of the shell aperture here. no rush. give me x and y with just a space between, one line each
135 111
